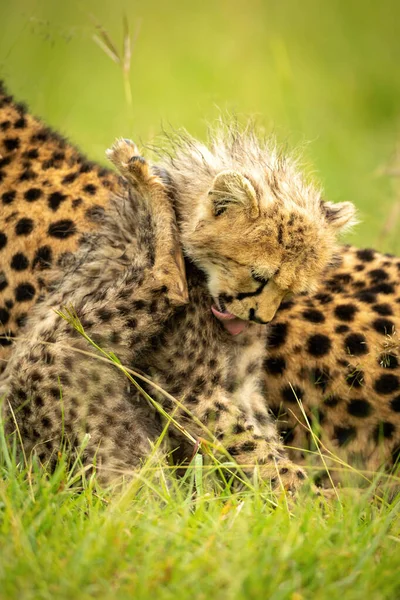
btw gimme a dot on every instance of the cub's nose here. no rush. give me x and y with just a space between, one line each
253 317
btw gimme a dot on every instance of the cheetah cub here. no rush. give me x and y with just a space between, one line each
252 230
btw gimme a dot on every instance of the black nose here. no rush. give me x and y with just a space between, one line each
252 317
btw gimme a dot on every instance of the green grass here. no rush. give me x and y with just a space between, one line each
324 72
165 538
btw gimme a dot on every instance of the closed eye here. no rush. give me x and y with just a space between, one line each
259 278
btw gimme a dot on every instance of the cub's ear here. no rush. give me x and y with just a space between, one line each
341 215
230 189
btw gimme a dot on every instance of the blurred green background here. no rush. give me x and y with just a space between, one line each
324 72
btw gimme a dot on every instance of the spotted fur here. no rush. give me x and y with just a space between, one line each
316 343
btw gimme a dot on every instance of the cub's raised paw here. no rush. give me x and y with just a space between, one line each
125 155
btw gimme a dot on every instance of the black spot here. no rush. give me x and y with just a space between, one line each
55 200
385 310
11 144
342 329
115 337
139 305
285 305
314 316
355 378
321 378
323 298
27 175
383 326
248 446
238 428
395 404
3 281
41 136
3 240
5 161
62 229
382 288
4 316
288 436
277 334
318 345
46 423
32 153
366 296
388 361
90 189
86 167
275 365
386 384
192 399
58 155
334 286
19 262
378 275
21 320
77 202
383 430
344 435
24 226
8 197
233 450
359 408
396 456
355 344
43 258
104 314
332 401
20 123
292 393
345 312
366 255
32 194
5 340
24 292
70 178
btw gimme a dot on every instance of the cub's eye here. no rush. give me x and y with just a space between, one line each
259 278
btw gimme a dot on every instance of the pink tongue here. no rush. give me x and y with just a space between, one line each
231 323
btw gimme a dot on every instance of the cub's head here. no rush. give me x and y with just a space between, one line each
252 223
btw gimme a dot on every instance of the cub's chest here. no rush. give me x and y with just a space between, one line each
196 355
